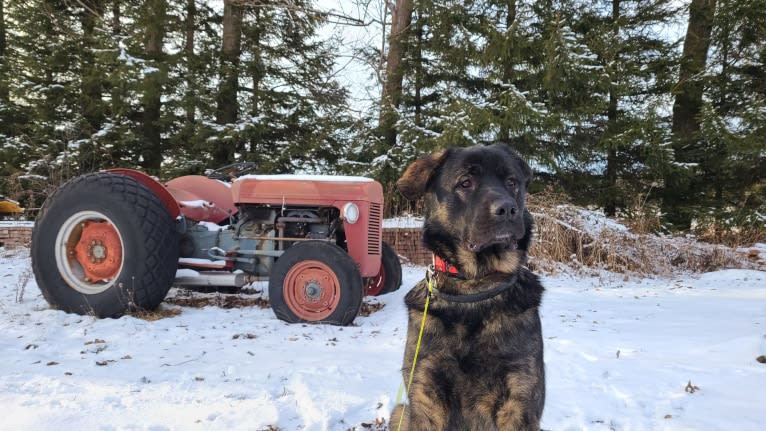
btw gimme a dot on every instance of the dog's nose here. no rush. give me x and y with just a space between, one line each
504 209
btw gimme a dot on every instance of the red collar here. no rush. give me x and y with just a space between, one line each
442 266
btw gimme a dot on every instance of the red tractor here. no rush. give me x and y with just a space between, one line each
112 242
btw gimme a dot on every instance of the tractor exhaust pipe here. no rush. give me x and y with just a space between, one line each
215 279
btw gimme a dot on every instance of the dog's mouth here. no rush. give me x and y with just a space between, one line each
505 241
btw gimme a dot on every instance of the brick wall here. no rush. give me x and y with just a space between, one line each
15 234
406 242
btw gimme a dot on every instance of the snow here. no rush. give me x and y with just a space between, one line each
211 227
619 354
193 261
594 222
16 223
195 204
403 222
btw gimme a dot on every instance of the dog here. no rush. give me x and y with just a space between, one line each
480 363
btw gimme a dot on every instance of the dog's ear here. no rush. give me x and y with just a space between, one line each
414 181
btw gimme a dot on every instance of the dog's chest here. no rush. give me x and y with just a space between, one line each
477 342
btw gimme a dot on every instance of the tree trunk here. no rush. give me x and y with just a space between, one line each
418 102
191 62
259 73
116 15
679 193
392 88
3 62
91 79
510 19
610 205
227 106
155 11
693 60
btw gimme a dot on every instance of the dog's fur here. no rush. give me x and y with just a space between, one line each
480 366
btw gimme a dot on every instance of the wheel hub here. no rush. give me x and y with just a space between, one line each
99 251
312 290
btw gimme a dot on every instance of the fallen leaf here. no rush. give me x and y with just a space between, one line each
690 388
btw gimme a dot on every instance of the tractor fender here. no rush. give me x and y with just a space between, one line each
202 198
155 186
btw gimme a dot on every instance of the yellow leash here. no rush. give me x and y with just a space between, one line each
430 276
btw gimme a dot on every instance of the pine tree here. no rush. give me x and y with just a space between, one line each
730 175
227 103
3 61
43 79
154 19
681 197
292 111
190 93
401 19
628 154
465 79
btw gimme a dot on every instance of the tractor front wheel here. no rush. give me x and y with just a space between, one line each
104 244
317 282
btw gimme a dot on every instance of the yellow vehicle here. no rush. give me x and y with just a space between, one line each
9 207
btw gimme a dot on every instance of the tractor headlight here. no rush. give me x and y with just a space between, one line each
351 212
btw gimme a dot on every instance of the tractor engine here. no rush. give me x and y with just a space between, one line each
258 236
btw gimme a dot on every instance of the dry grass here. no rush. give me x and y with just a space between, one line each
222 301
370 306
571 236
158 314
732 237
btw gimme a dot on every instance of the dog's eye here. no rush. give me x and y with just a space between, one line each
511 183
466 183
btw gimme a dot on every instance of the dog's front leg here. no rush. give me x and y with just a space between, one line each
413 420
426 411
514 415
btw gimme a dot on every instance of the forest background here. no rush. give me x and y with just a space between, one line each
654 110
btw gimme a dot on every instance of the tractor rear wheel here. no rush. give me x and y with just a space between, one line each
317 282
103 245
389 279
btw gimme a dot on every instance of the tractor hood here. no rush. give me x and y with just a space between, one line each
321 190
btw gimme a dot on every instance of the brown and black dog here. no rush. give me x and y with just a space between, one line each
480 366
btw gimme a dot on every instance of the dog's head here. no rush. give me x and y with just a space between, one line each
475 216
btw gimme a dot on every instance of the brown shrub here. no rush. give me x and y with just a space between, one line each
581 239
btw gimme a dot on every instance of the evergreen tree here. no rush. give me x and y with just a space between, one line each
43 79
153 20
3 61
401 19
190 94
228 93
729 177
292 112
637 60
465 79
681 196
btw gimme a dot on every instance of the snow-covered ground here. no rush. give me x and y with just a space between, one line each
637 354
